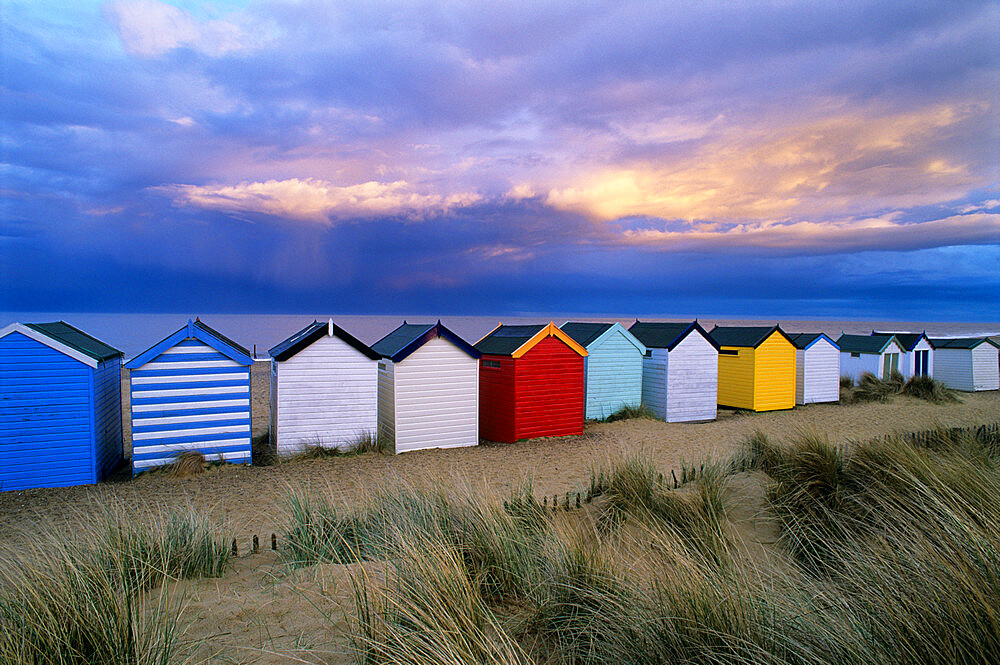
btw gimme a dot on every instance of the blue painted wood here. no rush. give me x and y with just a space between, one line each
191 394
46 417
613 373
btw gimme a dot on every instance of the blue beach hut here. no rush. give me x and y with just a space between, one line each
190 392
612 370
60 406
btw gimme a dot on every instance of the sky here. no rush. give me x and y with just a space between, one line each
752 159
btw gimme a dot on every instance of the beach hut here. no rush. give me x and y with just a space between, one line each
530 383
60 406
877 354
756 367
918 354
967 363
817 368
428 388
680 370
612 369
324 389
190 392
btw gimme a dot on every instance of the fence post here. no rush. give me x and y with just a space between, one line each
675 478
256 544
236 551
274 541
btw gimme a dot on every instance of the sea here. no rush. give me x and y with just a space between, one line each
134 333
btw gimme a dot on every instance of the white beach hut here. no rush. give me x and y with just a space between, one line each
969 363
428 388
878 354
680 370
817 368
918 354
324 389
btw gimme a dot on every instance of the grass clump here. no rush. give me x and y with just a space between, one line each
629 412
846 381
926 388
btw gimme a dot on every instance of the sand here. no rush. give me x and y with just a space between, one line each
261 612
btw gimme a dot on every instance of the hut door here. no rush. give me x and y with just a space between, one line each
920 363
890 363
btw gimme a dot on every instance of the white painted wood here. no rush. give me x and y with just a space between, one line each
817 373
967 369
654 382
326 394
434 398
985 370
854 367
907 361
189 378
386 402
692 372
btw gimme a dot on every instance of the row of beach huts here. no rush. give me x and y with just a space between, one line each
421 386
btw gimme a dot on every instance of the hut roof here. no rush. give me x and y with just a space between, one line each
515 341
805 340
666 335
409 337
865 343
906 340
961 342
314 331
584 332
748 336
196 330
76 339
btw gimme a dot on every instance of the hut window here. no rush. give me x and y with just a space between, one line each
492 364
382 366
649 353
855 355
729 352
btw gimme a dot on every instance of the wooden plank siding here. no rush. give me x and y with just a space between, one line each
692 379
817 373
774 374
436 398
107 416
190 397
497 414
967 370
327 395
613 376
386 402
736 377
46 416
654 382
549 391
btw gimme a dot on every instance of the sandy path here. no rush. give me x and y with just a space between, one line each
251 497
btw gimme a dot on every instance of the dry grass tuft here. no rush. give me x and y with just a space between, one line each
187 464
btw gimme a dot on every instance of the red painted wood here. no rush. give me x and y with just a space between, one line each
538 394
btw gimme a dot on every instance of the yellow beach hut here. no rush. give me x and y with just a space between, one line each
756 367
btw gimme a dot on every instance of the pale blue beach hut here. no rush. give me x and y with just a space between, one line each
612 368
60 406
190 392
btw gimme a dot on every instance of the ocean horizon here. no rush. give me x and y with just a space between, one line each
133 333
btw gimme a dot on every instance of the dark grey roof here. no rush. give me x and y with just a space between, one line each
802 340
584 333
961 342
76 339
666 335
749 336
863 343
505 340
311 333
409 337
906 340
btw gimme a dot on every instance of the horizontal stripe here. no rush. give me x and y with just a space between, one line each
185 364
166 435
238 369
189 438
190 422
204 414
177 392
187 405
189 348
175 359
185 399
155 449
189 386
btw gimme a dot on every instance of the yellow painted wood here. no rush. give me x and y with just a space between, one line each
774 374
736 378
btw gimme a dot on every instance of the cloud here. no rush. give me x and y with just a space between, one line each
317 201
150 28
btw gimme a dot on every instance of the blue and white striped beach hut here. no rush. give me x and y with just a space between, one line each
60 406
190 392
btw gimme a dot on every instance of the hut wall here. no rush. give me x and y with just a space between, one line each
692 374
107 416
496 399
549 388
436 395
654 382
908 362
613 373
46 416
774 374
817 373
953 368
327 395
190 397
387 402
985 368
736 377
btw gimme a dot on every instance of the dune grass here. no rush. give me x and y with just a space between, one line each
870 388
628 413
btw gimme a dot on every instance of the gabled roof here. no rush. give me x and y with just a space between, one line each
866 343
409 337
667 335
314 331
748 336
195 330
805 340
592 335
66 339
961 342
515 341
906 340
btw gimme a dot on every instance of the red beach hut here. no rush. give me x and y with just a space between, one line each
530 383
